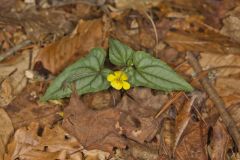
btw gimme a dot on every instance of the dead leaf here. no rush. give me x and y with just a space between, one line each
143 152
95 155
231 24
139 129
192 34
148 99
199 42
223 65
193 143
140 5
36 143
211 11
167 137
225 70
6 5
6 95
38 25
14 71
234 111
6 131
88 34
86 11
102 99
137 120
23 110
94 129
220 142
182 120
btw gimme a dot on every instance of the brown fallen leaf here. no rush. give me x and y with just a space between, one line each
167 137
36 143
234 110
23 109
231 24
148 99
95 155
102 99
139 129
140 5
138 32
6 95
191 34
94 129
199 42
87 35
193 143
143 152
182 120
6 131
38 24
6 4
220 142
224 70
14 71
137 120
211 12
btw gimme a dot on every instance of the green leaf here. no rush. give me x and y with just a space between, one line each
87 74
154 73
120 54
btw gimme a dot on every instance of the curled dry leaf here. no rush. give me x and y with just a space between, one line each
94 129
23 109
6 131
12 75
137 120
87 35
36 143
220 142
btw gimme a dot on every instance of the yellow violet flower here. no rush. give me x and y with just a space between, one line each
118 80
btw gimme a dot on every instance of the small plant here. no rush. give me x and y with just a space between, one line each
138 68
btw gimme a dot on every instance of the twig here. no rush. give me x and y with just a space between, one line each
15 49
168 104
154 27
217 100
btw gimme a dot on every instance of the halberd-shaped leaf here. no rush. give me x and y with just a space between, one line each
119 54
153 73
87 74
